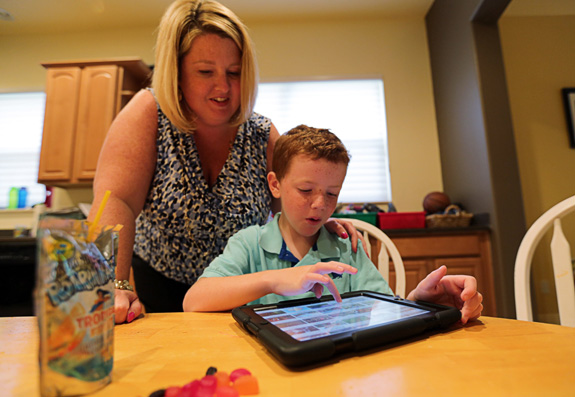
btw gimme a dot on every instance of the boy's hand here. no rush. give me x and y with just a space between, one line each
345 229
300 279
457 291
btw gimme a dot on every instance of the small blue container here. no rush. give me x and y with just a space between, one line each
22 196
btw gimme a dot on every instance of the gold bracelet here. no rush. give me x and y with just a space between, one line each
123 284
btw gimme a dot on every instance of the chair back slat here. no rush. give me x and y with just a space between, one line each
563 271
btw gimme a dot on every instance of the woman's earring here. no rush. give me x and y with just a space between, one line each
179 95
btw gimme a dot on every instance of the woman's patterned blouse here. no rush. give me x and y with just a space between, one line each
185 224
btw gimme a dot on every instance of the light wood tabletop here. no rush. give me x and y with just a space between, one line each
490 357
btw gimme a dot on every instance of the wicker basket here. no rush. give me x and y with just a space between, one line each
458 219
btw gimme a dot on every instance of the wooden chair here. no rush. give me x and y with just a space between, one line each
376 240
561 258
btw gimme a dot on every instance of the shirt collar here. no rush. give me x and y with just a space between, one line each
271 240
286 255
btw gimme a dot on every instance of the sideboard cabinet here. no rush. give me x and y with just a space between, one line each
82 99
463 251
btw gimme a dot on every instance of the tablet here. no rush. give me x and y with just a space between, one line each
307 331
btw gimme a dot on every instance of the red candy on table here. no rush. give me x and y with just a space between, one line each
239 382
238 373
226 391
190 389
208 385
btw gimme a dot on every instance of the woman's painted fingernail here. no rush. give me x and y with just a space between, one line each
344 235
131 316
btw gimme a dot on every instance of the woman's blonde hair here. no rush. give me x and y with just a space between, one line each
183 21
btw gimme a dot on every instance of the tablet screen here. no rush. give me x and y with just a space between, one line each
321 319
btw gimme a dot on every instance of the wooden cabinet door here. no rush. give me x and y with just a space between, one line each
473 266
462 252
58 138
82 99
468 266
415 271
96 111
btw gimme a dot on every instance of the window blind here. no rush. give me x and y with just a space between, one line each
354 110
21 123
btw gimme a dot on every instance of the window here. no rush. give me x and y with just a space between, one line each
21 123
353 110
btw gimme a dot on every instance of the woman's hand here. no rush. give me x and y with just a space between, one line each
345 229
127 306
457 291
300 279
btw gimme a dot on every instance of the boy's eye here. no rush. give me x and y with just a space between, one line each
305 190
332 194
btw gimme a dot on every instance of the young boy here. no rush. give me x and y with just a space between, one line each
294 256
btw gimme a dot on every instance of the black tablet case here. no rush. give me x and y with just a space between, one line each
294 353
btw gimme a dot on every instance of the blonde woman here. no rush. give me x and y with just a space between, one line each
186 161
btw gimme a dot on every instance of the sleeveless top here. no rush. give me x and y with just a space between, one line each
185 224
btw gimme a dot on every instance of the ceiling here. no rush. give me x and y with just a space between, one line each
37 16
59 16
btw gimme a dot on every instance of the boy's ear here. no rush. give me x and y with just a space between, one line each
274 184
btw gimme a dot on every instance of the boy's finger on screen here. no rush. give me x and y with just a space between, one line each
333 290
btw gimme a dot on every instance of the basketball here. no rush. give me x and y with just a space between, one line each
436 202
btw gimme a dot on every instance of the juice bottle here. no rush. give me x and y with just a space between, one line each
75 307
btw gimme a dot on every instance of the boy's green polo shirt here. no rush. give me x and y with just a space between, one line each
257 249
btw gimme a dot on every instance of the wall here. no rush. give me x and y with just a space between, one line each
395 48
539 60
22 55
474 127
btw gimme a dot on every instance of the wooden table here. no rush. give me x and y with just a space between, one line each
491 357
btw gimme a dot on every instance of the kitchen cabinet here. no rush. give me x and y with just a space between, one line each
463 251
82 99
